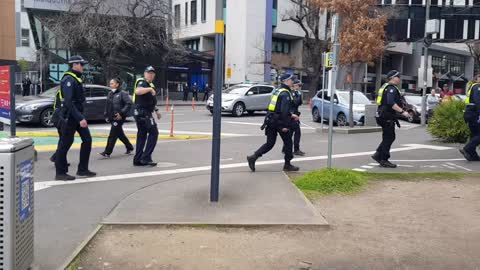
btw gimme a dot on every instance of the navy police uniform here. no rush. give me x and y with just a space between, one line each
147 134
72 94
279 117
388 96
472 118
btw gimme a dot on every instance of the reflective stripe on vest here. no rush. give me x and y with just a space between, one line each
135 88
382 90
274 98
59 93
469 92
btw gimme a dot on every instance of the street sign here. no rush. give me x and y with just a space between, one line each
329 59
5 85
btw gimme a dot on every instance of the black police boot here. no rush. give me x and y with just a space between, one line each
376 157
299 153
468 156
105 155
251 162
150 163
387 164
290 168
86 174
64 177
129 152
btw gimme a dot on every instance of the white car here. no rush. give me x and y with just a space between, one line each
243 98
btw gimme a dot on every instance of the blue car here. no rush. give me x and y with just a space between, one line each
340 107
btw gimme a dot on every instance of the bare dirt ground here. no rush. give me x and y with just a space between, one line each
390 225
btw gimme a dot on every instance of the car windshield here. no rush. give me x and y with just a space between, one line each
358 98
415 100
235 90
50 93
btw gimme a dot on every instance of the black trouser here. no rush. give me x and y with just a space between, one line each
474 126
147 137
67 137
388 137
185 96
26 90
271 133
116 132
296 134
54 156
195 95
205 96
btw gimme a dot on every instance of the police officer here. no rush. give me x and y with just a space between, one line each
117 107
472 118
72 97
279 121
297 102
145 100
389 102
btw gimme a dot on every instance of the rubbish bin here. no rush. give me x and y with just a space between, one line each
16 203
370 112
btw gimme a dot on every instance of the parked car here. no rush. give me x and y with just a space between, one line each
243 98
461 97
39 110
340 107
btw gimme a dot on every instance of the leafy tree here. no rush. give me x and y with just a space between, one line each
24 65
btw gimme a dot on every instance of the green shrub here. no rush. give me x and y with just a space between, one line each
447 123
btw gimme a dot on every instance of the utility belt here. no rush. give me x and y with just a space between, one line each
386 118
144 117
271 120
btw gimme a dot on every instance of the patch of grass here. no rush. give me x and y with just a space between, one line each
74 264
342 181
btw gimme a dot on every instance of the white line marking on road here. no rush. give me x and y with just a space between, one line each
359 170
460 167
44 185
406 166
430 147
243 123
367 167
428 160
373 164
448 167
183 132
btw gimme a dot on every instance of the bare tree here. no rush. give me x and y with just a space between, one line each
111 33
307 15
474 48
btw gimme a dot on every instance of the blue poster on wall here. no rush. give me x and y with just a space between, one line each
25 191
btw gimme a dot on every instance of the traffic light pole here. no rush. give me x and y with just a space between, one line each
425 67
217 101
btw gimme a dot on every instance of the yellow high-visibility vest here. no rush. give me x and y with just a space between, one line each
135 88
59 94
469 92
382 90
274 98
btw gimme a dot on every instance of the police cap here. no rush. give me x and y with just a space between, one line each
297 82
150 69
77 59
392 74
286 77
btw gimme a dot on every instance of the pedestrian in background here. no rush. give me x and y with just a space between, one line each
207 92
26 84
278 122
472 118
195 91
117 107
186 90
432 99
145 100
389 102
71 97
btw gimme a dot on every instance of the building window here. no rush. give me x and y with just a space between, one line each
193 10
281 46
445 64
204 10
25 38
193 44
177 16
186 13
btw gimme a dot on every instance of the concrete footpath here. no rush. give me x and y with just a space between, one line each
66 217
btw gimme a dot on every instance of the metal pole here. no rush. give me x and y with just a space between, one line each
217 101
333 84
13 117
366 79
324 56
425 68
268 41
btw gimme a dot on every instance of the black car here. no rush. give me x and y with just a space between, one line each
39 110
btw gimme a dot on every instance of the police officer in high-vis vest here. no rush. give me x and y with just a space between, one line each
389 103
472 118
70 99
279 121
145 99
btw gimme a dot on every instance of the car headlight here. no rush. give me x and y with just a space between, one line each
30 107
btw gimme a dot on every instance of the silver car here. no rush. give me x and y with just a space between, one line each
243 98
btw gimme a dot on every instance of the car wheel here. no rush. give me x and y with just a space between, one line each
46 117
341 120
238 109
251 113
316 115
